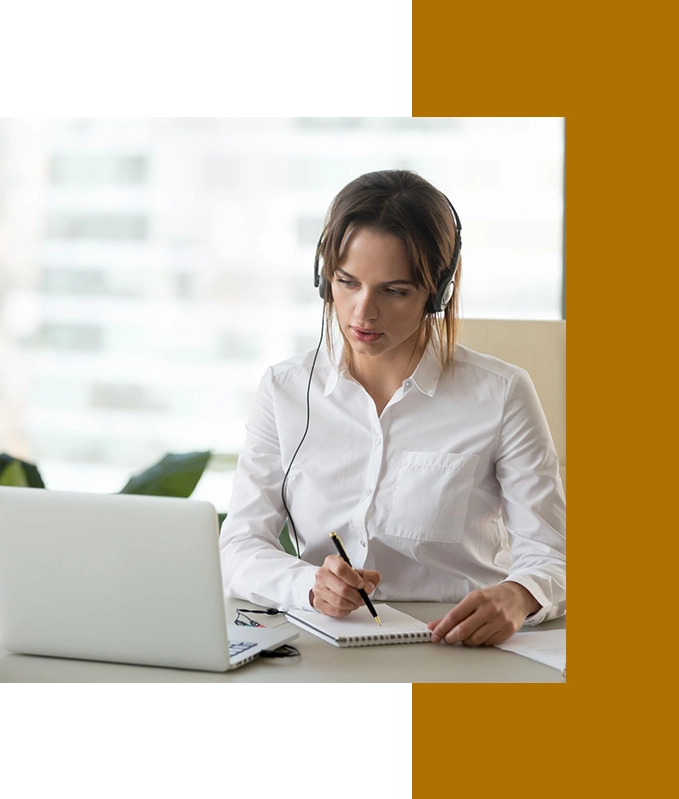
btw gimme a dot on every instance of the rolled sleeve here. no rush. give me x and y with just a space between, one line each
533 501
254 564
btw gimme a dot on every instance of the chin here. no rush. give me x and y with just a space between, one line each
369 349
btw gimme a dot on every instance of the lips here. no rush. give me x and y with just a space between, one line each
365 336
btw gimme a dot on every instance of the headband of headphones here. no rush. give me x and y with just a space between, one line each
446 286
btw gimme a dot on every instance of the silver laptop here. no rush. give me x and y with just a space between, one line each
122 578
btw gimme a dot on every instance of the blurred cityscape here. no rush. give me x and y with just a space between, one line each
150 269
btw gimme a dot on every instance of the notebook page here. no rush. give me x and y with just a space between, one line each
361 623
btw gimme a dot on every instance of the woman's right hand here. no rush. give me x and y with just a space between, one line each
335 591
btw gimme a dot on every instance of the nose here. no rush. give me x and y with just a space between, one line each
366 306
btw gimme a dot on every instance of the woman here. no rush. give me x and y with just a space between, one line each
433 463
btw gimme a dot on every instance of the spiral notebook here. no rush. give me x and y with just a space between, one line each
360 629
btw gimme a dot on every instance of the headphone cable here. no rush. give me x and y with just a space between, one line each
306 430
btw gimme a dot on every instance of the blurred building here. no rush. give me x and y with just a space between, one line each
150 269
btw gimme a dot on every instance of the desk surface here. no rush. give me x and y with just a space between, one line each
319 662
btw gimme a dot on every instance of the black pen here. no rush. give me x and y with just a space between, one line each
338 543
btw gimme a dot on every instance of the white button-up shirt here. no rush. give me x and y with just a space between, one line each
455 486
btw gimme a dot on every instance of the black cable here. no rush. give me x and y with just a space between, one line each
268 611
306 430
284 651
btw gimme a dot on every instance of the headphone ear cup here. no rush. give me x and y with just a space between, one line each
447 294
322 287
446 287
319 281
438 302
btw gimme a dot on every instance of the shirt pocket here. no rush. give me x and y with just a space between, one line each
431 496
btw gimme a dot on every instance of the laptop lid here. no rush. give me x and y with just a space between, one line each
123 578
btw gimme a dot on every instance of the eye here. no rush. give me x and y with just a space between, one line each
396 293
345 282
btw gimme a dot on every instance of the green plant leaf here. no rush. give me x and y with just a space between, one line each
284 537
176 475
287 544
13 475
33 478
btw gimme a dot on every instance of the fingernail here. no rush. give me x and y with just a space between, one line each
369 588
435 638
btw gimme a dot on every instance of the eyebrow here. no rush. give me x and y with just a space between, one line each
386 283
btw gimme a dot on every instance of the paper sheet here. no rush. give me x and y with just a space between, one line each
546 646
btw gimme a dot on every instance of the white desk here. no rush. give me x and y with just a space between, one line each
319 662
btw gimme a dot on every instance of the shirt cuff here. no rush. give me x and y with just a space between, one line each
300 593
534 589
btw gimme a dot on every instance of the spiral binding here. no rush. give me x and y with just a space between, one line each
373 640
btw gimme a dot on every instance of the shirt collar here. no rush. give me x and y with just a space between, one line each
338 368
331 382
425 377
427 373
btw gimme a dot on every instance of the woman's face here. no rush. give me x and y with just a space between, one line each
379 308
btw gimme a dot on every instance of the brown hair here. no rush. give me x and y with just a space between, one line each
400 203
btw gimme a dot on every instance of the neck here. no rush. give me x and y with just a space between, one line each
387 372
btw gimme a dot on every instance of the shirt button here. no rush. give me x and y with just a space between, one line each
408 383
378 441
362 543
368 492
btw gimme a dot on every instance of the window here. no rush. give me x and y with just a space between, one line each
153 270
98 170
113 227
70 338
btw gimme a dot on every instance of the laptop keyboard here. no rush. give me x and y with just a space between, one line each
236 647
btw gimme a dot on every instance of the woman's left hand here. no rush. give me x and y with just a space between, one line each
487 616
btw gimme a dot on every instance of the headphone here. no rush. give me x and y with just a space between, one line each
438 301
